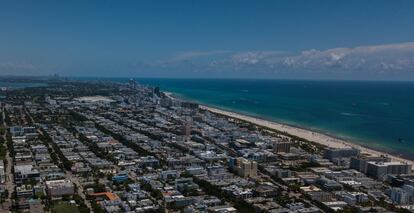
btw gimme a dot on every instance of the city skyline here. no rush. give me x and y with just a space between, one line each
287 106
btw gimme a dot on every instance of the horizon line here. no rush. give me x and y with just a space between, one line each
209 78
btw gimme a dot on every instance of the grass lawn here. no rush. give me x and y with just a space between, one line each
63 207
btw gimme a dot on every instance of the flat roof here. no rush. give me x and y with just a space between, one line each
111 196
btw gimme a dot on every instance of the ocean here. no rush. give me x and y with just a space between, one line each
379 115
17 85
375 114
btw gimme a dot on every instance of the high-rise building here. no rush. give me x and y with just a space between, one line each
245 168
281 146
399 196
333 153
132 83
380 170
157 91
2 174
185 129
360 162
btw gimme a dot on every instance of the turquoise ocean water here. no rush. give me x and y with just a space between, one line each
378 115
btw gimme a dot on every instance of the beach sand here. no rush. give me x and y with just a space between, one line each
313 136
94 99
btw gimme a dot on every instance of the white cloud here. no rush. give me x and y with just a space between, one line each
185 56
368 58
13 66
377 60
17 68
254 57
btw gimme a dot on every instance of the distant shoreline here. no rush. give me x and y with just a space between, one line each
310 135
20 85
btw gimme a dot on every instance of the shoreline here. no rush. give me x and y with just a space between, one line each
313 136
308 134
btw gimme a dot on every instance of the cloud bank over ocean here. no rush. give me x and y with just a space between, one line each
374 60
388 61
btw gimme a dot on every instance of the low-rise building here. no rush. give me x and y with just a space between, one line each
26 172
59 188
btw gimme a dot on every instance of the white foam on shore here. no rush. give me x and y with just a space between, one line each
309 135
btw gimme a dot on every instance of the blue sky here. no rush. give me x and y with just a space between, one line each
252 39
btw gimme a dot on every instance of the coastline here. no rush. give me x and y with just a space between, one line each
317 137
310 135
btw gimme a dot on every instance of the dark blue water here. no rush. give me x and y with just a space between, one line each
379 115
17 85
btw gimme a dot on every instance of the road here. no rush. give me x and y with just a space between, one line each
68 174
79 187
9 184
285 188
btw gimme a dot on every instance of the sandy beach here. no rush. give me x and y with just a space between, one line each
97 98
316 137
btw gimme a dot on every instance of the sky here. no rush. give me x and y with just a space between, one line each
342 39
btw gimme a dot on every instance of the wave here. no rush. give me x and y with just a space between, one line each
349 114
